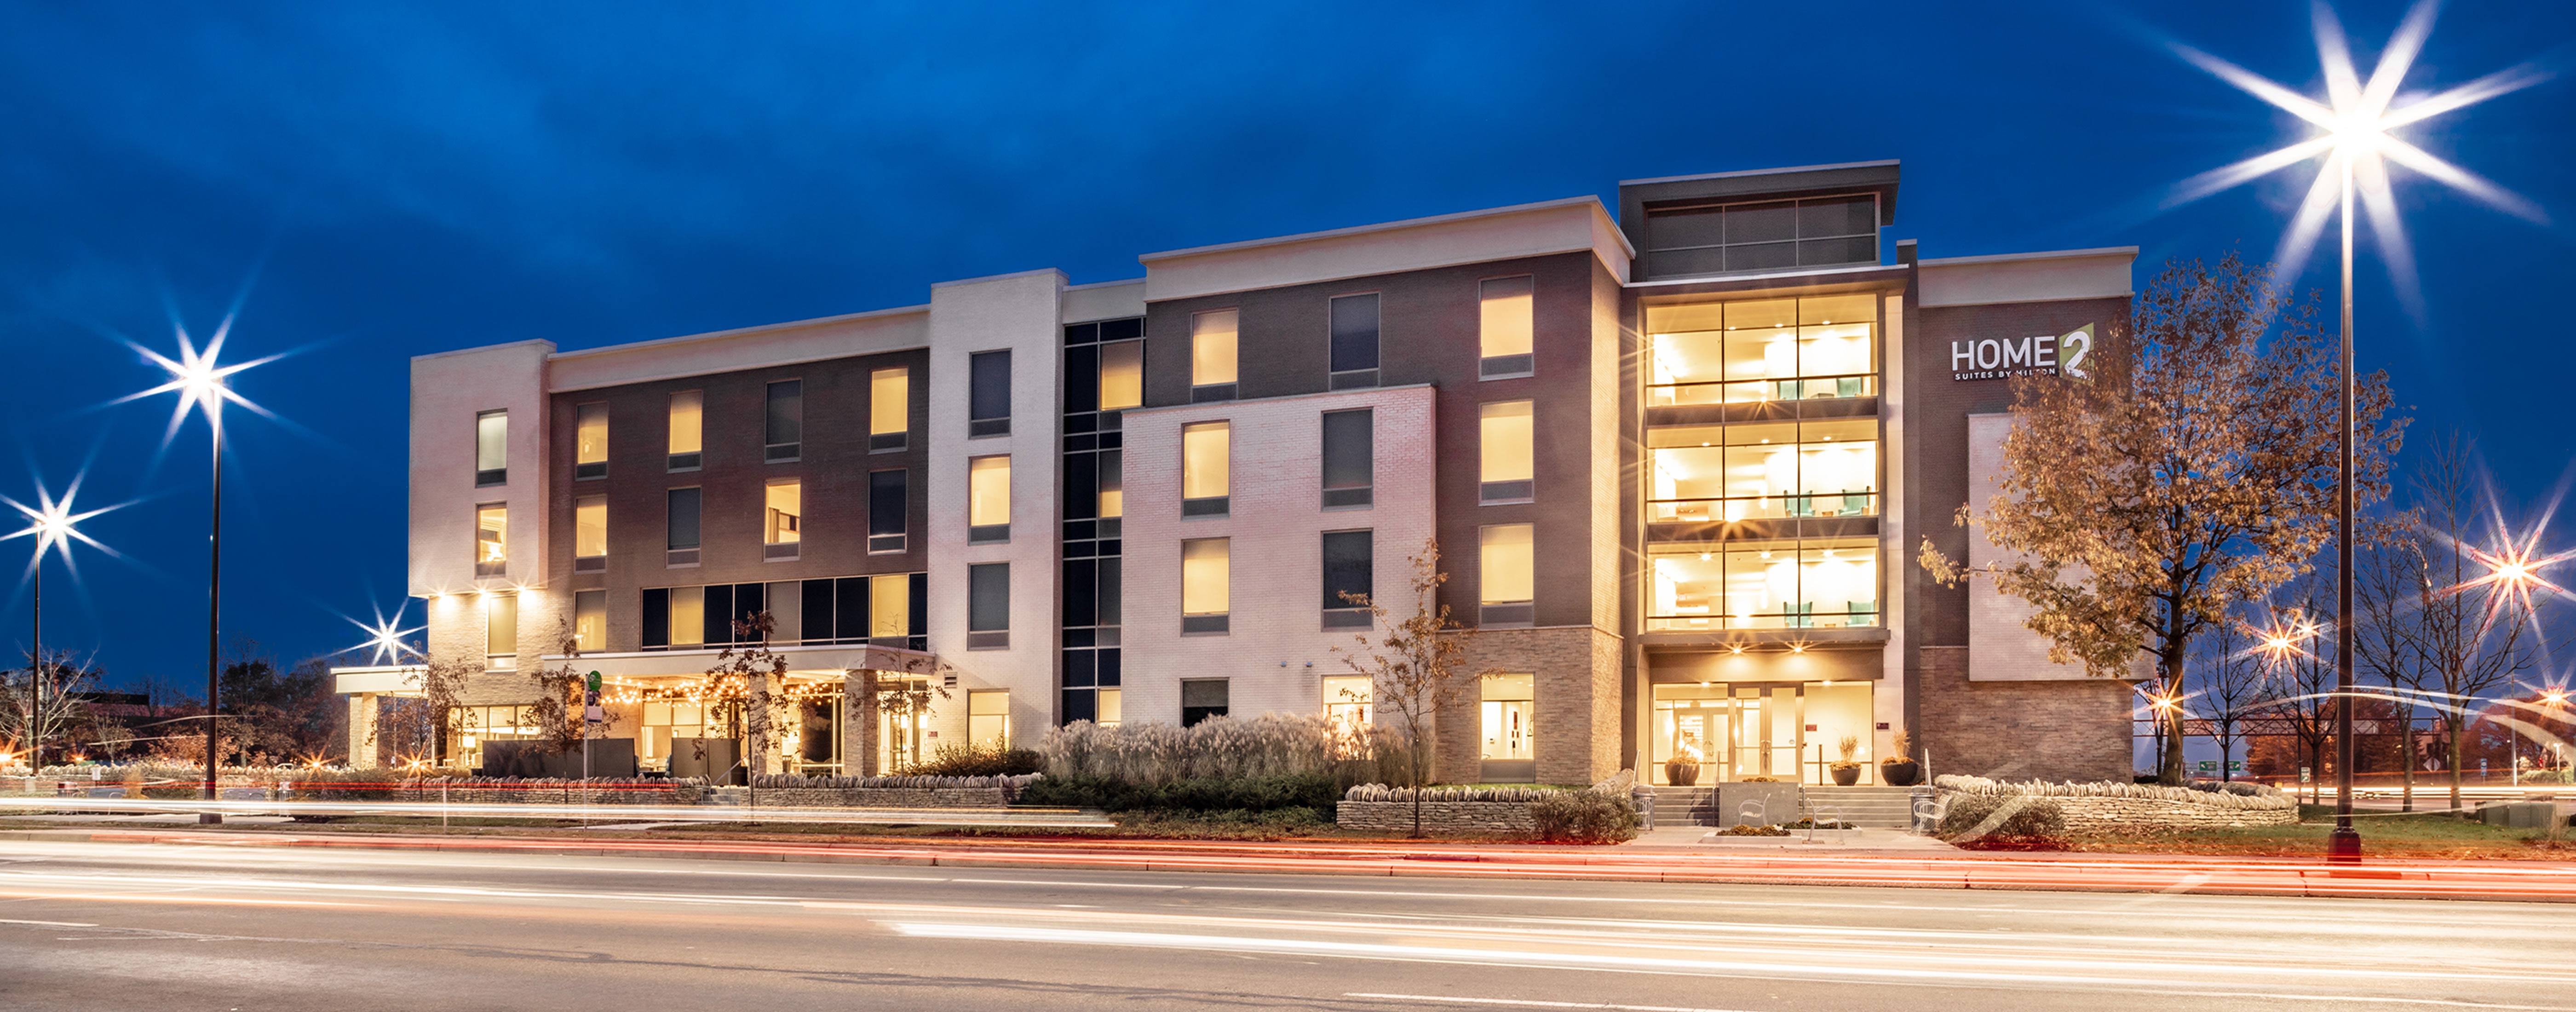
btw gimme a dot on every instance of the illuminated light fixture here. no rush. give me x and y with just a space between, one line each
1797 648
1704 556
385 637
1736 648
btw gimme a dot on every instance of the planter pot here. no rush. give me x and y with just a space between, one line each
1901 774
1845 776
1681 774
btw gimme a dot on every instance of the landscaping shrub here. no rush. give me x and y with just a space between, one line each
1584 817
1219 748
2003 822
1311 790
992 759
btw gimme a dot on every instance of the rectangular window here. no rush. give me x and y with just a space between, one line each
988 500
889 408
1212 355
1346 702
1505 435
1122 375
1769 235
1113 489
988 718
1205 594
1505 327
1202 698
1109 709
890 606
784 427
1205 482
1816 583
1762 470
680 526
888 511
988 606
1350 451
491 448
491 539
590 534
988 393
1354 362
590 441
688 430
1754 351
501 630
1505 574
688 616
1349 578
1510 708
782 520
590 620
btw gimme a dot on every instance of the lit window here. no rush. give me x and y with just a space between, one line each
491 539
590 528
590 441
492 448
1113 489
988 718
988 393
1204 472
1510 706
1506 436
1107 713
1122 375
889 408
988 499
890 606
1212 355
1756 350
782 519
688 430
1346 702
590 620
688 616
1504 327
501 630
1505 574
784 424
1205 594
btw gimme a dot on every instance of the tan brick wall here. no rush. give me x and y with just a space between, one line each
1575 724
2021 730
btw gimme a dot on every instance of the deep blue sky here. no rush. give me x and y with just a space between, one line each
388 181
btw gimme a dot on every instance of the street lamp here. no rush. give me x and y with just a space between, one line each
54 525
200 384
2351 132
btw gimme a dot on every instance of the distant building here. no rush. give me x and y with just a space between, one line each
1678 462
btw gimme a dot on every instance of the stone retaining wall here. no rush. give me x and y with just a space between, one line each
466 792
2093 815
1439 818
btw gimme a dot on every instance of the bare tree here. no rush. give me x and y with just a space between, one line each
740 684
2194 472
561 712
417 729
64 708
1414 667
2232 687
2388 582
2473 634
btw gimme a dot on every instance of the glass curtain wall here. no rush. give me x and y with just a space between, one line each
1762 350
1104 374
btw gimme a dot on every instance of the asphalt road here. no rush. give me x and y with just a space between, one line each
170 927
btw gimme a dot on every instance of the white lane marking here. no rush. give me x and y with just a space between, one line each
1083 885
50 924
2090 973
1532 1003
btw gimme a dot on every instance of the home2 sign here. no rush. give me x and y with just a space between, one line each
2004 357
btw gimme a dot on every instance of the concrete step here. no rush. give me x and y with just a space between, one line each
1876 806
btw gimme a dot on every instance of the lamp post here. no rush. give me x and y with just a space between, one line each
55 526
199 382
2354 124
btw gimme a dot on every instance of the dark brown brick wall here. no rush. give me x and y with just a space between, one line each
1427 333
2058 730
833 468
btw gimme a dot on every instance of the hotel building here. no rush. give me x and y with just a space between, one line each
1678 460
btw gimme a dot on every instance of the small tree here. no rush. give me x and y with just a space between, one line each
63 712
2197 471
1413 663
2231 680
561 712
418 728
2473 635
740 682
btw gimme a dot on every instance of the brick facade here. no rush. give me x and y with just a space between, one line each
2020 730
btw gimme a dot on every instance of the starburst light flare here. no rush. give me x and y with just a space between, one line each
2352 135
199 379
385 637
55 524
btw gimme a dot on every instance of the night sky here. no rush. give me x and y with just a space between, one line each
371 182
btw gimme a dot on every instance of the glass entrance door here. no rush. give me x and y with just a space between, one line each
1772 733
1700 732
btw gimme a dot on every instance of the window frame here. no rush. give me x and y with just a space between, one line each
1206 506
490 477
1207 623
1347 496
979 424
1492 492
589 562
880 540
984 630
772 550
773 449
988 534
582 416
1228 388
1353 376
1492 612
494 566
882 440
1517 365
676 460
678 556
1339 613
